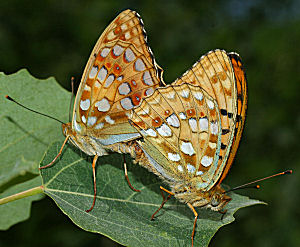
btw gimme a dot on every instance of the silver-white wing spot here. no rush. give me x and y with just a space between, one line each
76 126
198 173
99 126
198 95
191 168
184 93
118 50
187 148
164 130
151 132
124 89
126 103
93 72
214 128
127 35
139 65
193 124
103 105
87 88
129 55
182 115
173 121
109 80
212 145
123 27
85 104
149 91
210 104
173 157
102 74
91 121
180 168
203 122
120 78
104 52
206 161
109 120
147 78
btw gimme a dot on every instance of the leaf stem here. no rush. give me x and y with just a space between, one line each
23 194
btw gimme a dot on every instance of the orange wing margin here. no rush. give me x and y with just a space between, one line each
242 98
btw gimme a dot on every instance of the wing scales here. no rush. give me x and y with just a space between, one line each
214 73
179 129
242 98
120 71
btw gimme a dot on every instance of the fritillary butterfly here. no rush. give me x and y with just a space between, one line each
191 130
121 71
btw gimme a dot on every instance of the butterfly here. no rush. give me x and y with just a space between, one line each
191 130
121 71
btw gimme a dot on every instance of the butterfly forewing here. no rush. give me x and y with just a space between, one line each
214 73
242 97
121 70
182 133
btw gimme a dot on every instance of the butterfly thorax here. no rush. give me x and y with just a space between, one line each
215 199
84 142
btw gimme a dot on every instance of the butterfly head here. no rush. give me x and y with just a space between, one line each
69 132
215 199
218 199
83 142
67 128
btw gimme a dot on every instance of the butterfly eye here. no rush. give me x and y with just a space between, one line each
66 129
215 201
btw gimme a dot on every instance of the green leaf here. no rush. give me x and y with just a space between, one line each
17 211
24 136
120 213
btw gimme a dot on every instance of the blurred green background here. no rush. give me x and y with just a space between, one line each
55 38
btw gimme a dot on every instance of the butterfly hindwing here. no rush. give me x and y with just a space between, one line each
187 152
180 125
215 74
121 70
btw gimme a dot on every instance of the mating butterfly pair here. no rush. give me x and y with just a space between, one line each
187 133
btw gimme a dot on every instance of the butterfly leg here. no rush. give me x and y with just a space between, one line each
126 175
195 221
95 188
59 153
164 200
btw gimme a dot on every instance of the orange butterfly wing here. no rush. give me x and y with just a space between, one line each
220 75
181 129
242 99
214 73
121 70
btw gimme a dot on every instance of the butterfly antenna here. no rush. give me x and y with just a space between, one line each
11 99
72 95
250 184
